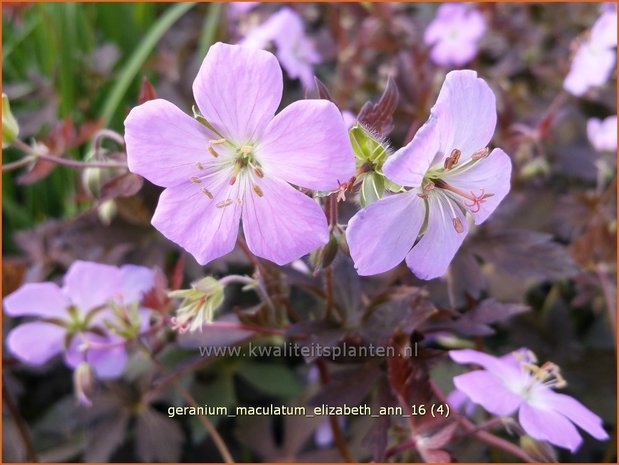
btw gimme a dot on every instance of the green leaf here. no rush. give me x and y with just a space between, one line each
10 128
372 188
276 380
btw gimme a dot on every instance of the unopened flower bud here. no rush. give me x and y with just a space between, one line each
324 256
10 128
83 383
199 303
368 147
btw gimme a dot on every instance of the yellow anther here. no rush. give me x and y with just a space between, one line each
246 149
206 192
199 165
212 151
195 179
458 225
258 171
224 203
217 141
452 160
257 190
483 153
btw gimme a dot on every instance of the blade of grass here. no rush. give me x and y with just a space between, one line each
139 56
207 36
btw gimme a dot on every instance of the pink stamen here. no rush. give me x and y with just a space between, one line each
475 200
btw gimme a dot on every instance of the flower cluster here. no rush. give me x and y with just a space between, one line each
595 56
88 319
515 383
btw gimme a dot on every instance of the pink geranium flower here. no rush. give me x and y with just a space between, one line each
71 320
595 58
295 51
515 383
603 133
242 161
450 174
454 34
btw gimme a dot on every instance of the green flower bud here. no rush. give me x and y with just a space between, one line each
10 128
199 304
324 256
368 147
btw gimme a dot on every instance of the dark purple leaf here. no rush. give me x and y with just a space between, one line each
525 253
379 116
125 185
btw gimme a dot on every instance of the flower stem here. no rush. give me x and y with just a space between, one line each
77 164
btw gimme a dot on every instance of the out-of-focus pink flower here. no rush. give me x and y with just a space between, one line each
240 160
236 9
603 133
450 172
294 49
454 34
461 402
515 383
595 58
70 319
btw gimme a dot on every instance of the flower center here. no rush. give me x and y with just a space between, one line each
241 161
547 374
436 177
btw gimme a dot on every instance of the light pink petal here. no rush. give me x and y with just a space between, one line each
206 228
591 67
548 425
380 235
108 363
107 355
37 299
307 144
604 31
136 281
502 368
466 113
448 53
238 90
431 256
408 165
89 285
487 390
573 410
36 342
283 224
603 134
490 175
164 144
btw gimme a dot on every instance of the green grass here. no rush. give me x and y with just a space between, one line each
53 42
